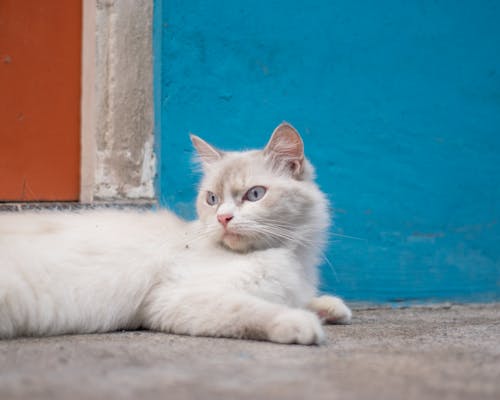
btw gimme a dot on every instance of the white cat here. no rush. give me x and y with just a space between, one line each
245 269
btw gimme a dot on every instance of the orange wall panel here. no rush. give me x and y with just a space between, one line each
40 69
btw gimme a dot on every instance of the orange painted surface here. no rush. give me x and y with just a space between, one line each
40 69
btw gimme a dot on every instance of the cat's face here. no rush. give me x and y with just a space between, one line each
259 199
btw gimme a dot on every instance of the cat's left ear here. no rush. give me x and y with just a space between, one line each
286 149
207 153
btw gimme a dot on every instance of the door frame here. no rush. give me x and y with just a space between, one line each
88 99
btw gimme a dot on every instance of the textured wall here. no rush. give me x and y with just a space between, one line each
124 157
399 107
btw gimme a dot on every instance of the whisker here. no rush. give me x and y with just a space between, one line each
345 236
332 268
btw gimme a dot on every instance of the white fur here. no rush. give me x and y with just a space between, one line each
331 309
99 271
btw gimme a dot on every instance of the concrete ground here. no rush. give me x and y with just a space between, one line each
440 352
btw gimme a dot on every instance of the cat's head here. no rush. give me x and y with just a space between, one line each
258 199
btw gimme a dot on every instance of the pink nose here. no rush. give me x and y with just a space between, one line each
224 219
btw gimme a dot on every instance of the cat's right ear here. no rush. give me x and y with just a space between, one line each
207 153
285 149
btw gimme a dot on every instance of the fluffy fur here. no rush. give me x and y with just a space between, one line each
255 277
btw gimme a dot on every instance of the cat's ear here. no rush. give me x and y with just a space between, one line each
285 149
207 153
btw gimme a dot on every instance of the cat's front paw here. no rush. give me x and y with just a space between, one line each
296 326
331 310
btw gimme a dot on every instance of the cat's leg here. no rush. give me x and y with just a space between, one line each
236 315
330 309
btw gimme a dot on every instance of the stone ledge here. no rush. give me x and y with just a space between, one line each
73 206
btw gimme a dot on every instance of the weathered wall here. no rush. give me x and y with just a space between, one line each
124 166
399 106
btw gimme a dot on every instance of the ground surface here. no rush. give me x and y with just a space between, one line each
442 352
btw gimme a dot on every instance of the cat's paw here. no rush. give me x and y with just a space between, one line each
296 326
331 310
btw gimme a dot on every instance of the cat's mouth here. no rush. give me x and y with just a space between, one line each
234 241
228 235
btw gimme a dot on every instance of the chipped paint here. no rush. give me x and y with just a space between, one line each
125 161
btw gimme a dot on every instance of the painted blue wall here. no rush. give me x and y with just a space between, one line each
399 107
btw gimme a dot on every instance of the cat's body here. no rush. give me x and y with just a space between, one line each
230 273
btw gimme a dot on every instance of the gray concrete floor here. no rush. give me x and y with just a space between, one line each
440 352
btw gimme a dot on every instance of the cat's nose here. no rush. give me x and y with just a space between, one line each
224 219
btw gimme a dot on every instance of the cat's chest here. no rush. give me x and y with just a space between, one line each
271 274
212 266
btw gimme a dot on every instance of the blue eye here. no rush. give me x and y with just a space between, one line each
255 193
212 199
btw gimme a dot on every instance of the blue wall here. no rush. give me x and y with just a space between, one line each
399 106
